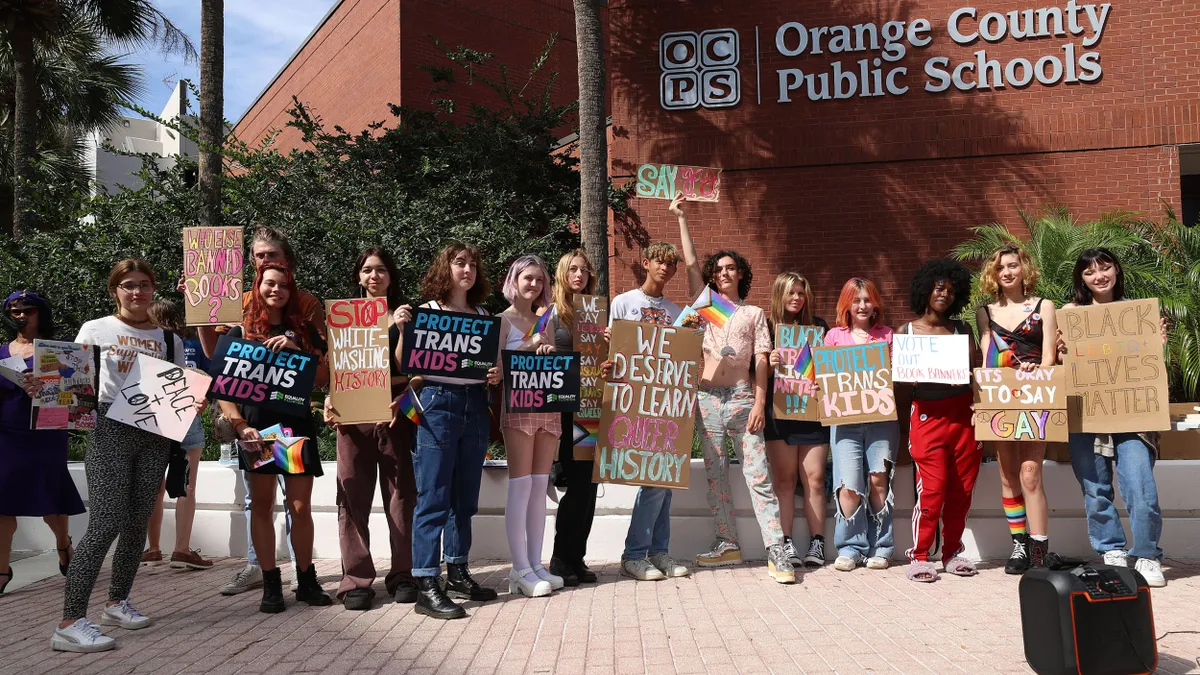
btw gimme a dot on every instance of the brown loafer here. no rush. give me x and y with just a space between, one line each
152 557
189 560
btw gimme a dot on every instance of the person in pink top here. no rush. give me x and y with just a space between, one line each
864 454
732 403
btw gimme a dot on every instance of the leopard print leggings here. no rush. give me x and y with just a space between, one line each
125 467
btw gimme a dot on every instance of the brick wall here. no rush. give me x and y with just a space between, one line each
873 186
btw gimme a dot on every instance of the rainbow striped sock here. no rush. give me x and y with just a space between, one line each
1014 510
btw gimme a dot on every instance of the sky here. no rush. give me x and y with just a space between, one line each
260 35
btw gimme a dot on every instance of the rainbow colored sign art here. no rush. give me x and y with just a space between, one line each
664 181
213 259
1014 405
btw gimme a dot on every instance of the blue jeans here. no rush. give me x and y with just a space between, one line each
251 556
448 466
649 524
859 450
1135 474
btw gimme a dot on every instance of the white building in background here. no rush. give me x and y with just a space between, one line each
136 134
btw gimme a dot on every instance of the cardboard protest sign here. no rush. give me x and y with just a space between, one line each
1012 405
159 397
943 359
213 259
360 365
248 373
591 318
856 384
541 382
450 344
1115 366
70 382
792 395
664 181
648 416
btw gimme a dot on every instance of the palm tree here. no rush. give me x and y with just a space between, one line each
28 24
593 140
79 85
212 108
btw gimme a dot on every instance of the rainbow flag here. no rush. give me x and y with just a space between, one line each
410 406
997 354
289 456
539 326
805 367
714 308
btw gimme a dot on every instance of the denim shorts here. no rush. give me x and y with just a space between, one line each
195 435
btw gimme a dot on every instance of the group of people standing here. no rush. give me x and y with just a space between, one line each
430 473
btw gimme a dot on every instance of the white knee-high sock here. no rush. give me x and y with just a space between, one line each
535 528
514 521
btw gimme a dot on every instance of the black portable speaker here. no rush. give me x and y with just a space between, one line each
1091 620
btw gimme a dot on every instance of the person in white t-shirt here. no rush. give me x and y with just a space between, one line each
125 466
645 557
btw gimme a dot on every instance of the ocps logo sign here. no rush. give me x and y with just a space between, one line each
699 69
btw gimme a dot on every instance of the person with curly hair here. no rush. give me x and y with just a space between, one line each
1017 330
452 441
732 403
941 437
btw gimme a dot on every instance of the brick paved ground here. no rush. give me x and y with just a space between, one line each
721 621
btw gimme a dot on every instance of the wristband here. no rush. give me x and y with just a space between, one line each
238 424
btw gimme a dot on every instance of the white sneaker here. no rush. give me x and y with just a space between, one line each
642 570
82 636
845 563
1151 571
125 615
518 584
556 582
669 566
247 578
877 563
1116 558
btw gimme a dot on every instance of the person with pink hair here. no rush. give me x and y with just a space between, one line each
531 439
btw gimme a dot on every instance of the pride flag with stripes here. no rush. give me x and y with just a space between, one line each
714 308
540 325
805 366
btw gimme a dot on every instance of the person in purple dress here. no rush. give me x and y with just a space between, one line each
34 480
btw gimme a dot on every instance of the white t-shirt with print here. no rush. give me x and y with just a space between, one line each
119 345
635 305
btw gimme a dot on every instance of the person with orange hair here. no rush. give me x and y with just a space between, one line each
275 318
864 455
1010 277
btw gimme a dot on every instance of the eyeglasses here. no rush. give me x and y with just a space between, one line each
22 311
130 287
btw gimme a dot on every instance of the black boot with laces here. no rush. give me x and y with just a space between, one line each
1018 562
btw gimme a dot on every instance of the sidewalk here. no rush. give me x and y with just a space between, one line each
722 621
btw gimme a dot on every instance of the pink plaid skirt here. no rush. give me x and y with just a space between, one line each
532 423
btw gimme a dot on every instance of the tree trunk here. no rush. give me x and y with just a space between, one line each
24 127
212 109
593 141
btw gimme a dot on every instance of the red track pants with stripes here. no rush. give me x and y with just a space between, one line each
941 440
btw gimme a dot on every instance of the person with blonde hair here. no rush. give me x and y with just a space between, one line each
573 276
1017 330
796 450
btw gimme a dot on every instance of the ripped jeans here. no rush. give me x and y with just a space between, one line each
859 450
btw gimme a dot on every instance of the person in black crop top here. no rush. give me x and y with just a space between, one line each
1017 330
368 451
941 437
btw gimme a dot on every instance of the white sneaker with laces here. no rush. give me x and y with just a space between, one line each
669 566
845 563
125 615
1116 558
641 569
1151 571
83 636
247 578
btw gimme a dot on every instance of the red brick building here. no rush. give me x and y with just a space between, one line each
1086 103
822 175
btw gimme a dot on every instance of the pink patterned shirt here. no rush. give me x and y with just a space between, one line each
745 333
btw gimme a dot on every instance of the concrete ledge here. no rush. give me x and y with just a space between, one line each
220 526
